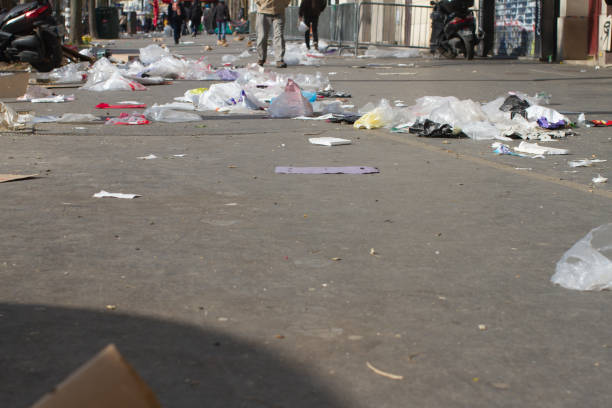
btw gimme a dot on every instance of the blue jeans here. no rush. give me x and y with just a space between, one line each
222 26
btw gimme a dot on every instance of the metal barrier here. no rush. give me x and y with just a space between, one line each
369 23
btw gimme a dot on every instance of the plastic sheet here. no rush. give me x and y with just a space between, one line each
290 103
73 72
302 27
374 52
152 53
534 148
77 118
116 82
35 91
587 265
163 114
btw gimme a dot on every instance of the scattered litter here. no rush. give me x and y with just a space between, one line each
600 179
103 194
515 105
120 106
581 121
327 170
148 157
378 117
179 155
584 162
601 123
587 264
534 148
328 141
482 327
12 177
429 128
523 168
543 123
53 99
384 373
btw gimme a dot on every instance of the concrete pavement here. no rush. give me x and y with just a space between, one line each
222 273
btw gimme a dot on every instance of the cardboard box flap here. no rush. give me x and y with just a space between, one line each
105 381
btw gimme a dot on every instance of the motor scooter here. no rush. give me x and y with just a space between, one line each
453 29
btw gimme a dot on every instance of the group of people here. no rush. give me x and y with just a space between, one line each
179 15
270 15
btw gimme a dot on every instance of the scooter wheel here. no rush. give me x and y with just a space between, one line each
469 49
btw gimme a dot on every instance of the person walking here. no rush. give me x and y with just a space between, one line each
176 15
271 13
196 17
221 16
309 13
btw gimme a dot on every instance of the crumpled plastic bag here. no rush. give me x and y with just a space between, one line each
73 72
77 118
152 53
429 128
164 114
302 27
290 103
587 265
124 118
536 112
35 91
116 82
381 116
9 118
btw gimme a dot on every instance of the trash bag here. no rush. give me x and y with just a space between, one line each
381 116
152 53
588 264
290 103
430 128
302 27
164 114
516 106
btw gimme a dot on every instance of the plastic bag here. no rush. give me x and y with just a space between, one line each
290 103
152 53
35 91
379 117
69 73
302 27
163 114
587 265
116 82
534 148
77 118
124 118
373 52
8 118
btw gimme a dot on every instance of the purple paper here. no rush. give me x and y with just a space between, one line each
326 170
543 123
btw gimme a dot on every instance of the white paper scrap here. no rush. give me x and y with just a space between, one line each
103 194
149 157
600 179
179 155
328 141
534 148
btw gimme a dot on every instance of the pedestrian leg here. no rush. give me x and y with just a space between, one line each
263 27
279 38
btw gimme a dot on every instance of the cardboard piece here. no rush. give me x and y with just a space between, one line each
105 381
12 177
13 84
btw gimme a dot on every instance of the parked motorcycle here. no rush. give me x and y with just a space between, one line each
453 29
29 33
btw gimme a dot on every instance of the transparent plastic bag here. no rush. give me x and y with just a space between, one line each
164 114
290 103
587 265
77 118
381 116
69 73
302 27
116 82
8 118
152 53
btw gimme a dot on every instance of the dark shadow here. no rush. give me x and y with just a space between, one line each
186 366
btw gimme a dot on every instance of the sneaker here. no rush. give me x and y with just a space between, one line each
316 46
281 64
261 63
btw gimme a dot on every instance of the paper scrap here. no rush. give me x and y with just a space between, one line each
534 148
584 162
12 177
149 157
384 373
326 170
103 194
328 141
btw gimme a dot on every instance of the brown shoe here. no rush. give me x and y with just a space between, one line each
261 63
281 64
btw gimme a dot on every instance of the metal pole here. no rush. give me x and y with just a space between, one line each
76 28
93 27
357 24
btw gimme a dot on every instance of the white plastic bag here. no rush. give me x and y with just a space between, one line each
116 82
302 27
381 116
587 265
290 103
152 53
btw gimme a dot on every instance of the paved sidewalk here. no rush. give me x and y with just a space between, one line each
238 287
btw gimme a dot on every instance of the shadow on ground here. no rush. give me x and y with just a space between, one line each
185 365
